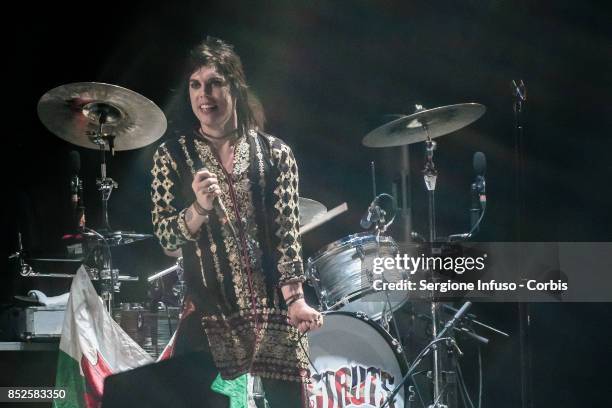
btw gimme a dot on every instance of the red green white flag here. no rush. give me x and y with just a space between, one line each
92 347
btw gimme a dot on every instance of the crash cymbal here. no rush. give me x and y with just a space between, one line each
74 111
415 128
310 209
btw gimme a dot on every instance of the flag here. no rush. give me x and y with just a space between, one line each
92 347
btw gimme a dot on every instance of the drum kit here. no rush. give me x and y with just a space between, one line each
355 360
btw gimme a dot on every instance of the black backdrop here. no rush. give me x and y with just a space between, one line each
326 73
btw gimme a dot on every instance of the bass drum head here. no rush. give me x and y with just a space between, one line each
353 364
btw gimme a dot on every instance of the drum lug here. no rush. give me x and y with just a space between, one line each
363 316
360 252
323 298
397 345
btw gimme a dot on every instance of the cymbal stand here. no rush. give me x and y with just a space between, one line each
430 175
108 276
105 184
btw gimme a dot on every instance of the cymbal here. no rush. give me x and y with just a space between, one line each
73 112
415 128
117 238
310 209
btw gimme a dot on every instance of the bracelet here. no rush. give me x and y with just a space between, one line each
294 298
200 210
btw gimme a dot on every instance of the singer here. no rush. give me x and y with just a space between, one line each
244 305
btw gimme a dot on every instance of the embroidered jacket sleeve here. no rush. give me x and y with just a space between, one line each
168 208
286 215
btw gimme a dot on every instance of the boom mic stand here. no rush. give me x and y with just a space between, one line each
519 92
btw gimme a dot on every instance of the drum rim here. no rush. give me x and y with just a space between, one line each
348 240
362 293
388 337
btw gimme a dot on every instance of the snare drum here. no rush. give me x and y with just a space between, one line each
342 275
354 363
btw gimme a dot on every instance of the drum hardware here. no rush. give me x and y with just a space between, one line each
423 126
103 117
179 288
420 126
375 215
470 318
158 275
439 338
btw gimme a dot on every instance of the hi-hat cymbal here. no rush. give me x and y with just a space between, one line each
415 128
310 209
74 111
117 238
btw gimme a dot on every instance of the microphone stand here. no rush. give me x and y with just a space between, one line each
431 346
519 92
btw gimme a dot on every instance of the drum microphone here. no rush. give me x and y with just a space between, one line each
76 191
75 182
372 215
479 197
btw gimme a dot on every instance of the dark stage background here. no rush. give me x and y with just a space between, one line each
327 73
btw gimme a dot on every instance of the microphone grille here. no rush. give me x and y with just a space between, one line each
480 163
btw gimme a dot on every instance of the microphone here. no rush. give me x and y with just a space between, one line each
371 215
451 323
76 191
221 212
479 197
75 181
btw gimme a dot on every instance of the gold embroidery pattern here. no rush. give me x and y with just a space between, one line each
287 219
213 251
241 157
238 276
242 188
186 153
260 163
231 337
278 355
207 156
167 222
182 226
199 255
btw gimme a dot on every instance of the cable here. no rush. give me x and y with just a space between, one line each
463 386
416 387
300 337
468 235
396 326
416 362
480 377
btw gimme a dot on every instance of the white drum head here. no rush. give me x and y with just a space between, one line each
354 364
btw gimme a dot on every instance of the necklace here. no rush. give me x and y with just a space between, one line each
224 136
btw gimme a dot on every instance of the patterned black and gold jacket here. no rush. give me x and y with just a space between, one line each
243 313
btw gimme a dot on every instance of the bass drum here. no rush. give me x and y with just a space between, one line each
354 363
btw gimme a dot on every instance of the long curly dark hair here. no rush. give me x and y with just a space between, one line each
221 55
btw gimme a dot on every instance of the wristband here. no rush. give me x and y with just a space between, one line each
200 210
292 299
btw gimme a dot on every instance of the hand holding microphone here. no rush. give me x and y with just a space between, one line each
206 188
205 185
